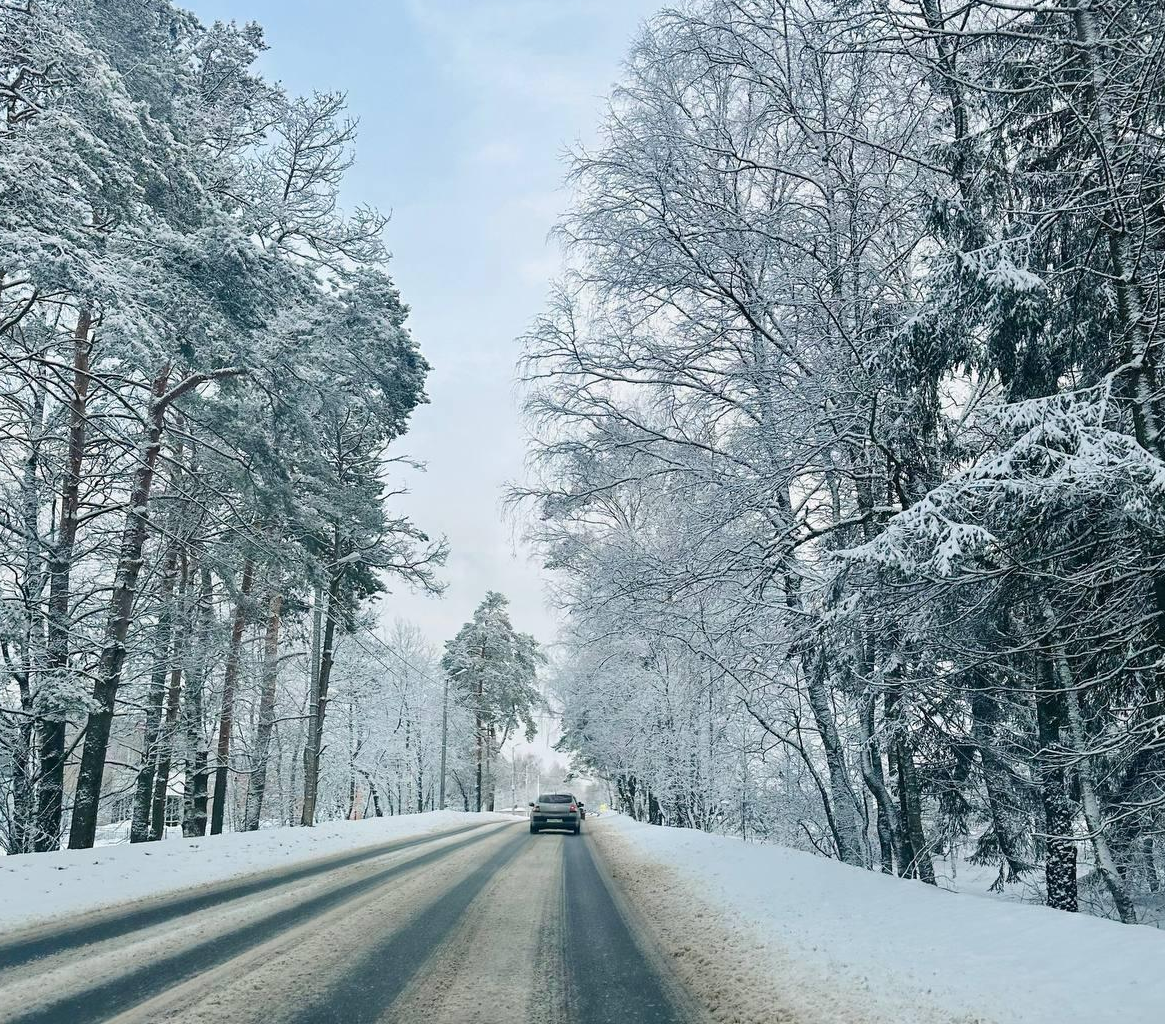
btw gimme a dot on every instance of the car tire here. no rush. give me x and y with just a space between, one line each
578 830
533 831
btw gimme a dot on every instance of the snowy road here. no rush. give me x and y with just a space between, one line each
482 924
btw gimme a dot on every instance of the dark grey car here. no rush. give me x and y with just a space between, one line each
555 810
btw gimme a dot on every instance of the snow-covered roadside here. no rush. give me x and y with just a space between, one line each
38 886
760 931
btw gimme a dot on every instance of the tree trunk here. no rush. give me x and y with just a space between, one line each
1150 863
226 718
316 711
83 827
1103 133
479 728
51 741
420 765
444 742
491 789
194 798
257 783
1002 801
139 830
295 759
889 828
173 696
353 753
1090 802
848 836
310 749
22 837
654 811
910 793
23 823
1059 811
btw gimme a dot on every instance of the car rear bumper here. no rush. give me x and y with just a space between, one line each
540 820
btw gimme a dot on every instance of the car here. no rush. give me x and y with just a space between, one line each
555 810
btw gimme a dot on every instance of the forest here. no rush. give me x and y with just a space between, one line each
205 369
848 458
846 473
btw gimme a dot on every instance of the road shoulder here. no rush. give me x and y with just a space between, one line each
735 973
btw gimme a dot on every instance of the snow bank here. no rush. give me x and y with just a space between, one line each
39 886
843 944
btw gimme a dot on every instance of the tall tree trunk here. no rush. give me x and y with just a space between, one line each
257 783
173 696
295 760
479 729
139 830
889 827
194 799
22 836
1002 800
444 741
310 752
83 828
1090 802
910 793
1150 863
51 739
87 798
848 835
226 718
315 733
420 765
491 788
654 811
353 753
1059 810
1103 133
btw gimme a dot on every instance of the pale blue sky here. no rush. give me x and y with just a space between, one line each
465 108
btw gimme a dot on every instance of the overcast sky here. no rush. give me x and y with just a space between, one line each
465 109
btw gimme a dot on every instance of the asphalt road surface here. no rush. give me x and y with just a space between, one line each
483 925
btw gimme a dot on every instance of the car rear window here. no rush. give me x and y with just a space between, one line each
556 798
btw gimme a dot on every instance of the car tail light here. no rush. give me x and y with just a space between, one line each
573 807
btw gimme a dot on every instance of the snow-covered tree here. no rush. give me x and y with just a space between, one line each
205 363
493 669
846 418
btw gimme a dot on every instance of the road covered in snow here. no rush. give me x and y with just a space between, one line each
469 919
480 922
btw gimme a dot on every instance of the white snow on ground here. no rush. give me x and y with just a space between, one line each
37 886
846 945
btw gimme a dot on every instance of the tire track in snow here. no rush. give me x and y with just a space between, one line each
26 945
501 962
105 999
383 969
614 972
